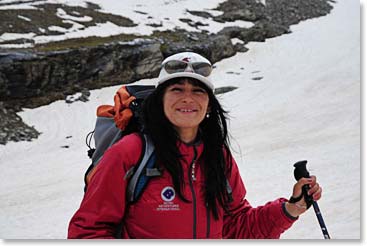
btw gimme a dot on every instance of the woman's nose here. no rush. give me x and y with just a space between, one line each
187 96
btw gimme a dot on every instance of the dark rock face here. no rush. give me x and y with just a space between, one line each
31 78
213 47
25 75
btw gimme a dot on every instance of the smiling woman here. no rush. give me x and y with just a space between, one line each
199 192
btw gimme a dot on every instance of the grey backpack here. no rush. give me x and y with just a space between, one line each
106 133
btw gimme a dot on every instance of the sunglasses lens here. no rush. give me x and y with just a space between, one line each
175 66
202 68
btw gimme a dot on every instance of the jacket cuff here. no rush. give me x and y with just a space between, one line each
286 212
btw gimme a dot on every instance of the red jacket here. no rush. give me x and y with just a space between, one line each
159 212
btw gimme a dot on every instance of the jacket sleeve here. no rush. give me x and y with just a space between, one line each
245 221
103 206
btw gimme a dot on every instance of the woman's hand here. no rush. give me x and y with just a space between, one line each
299 207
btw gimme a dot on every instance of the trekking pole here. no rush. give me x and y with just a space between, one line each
300 171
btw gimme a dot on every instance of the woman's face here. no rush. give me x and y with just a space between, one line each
185 105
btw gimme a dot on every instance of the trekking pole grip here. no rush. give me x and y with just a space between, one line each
300 171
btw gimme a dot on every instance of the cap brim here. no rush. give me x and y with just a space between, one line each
203 79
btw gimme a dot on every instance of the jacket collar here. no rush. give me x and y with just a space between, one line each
191 151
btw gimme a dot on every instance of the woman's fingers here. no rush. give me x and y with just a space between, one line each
317 195
314 191
297 189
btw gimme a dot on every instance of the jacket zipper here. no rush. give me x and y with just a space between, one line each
191 180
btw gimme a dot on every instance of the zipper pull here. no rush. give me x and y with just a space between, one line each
193 171
193 164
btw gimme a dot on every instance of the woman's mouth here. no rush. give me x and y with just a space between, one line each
186 110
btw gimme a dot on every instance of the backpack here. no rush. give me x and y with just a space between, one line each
115 122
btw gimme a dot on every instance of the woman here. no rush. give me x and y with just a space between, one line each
192 198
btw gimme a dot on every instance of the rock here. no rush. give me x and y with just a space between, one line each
246 10
240 48
216 46
225 89
33 78
46 15
29 75
200 13
12 128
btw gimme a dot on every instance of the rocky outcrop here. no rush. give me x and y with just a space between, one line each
54 75
26 75
30 78
13 128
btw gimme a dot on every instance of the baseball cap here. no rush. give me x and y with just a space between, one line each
186 64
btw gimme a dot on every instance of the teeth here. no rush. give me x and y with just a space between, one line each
186 110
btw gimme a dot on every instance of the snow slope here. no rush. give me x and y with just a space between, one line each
306 106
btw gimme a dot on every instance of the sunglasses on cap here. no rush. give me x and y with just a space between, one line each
177 66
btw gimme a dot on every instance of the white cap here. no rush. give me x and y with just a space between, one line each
189 57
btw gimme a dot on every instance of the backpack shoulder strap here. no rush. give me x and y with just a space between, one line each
141 173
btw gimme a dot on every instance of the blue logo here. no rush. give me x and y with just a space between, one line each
168 194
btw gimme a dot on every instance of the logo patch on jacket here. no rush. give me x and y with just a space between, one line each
168 195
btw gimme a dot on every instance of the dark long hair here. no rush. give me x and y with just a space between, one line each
214 134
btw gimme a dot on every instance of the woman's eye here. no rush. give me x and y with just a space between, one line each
199 91
176 89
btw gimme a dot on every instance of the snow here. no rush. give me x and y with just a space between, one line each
263 2
236 41
162 12
62 14
13 36
24 18
306 106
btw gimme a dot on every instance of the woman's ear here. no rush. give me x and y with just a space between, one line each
208 110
